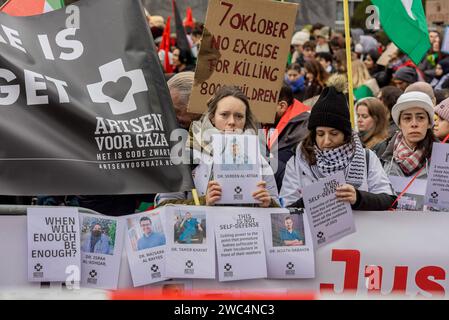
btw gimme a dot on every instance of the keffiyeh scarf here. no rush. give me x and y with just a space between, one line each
408 160
349 158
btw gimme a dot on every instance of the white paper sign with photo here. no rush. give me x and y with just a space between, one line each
190 242
145 246
236 167
289 244
101 250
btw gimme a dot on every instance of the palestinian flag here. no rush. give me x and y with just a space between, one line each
30 7
404 22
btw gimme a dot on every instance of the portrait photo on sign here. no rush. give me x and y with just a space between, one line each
98 235
190 227
287 229
145 231
238 153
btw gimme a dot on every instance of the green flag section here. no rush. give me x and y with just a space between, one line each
404 21
363 92
51 5
30 7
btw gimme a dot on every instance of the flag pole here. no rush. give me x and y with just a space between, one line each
349 62
1 7
195 197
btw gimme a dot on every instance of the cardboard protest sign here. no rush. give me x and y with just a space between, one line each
145 246
288 244
190 242
437 11
236 167
53 244
240 243
101 250
84 108
413 199
437 191
245 43
329 219
385 58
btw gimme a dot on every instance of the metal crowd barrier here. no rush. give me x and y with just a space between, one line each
21 210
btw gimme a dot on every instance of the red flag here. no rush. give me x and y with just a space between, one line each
165 46
188 23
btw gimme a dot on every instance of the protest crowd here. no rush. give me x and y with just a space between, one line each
243 142
401 108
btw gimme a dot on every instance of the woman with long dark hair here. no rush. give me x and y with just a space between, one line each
372 120
316 78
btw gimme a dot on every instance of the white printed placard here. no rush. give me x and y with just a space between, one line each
201 175
101 250
437 191
240 244
413 198
236 167
145 246
329 219
53 244
190 242
202 172
289 244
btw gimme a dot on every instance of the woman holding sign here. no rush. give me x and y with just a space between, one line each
407 154
410 149
332 146
228 112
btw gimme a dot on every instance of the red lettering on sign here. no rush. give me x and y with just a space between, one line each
425 278
400 280
423 282
252 23
374 281
284 27
229 5
217 43
351 277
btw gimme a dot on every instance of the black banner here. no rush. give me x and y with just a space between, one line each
84 107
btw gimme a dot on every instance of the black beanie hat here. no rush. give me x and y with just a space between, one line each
331 110
406 74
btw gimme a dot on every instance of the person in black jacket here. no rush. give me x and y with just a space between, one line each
291 128
333 146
